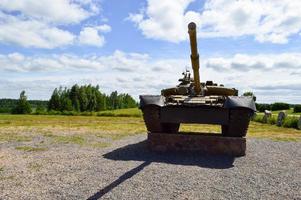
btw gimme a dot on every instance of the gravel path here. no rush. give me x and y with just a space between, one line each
127 170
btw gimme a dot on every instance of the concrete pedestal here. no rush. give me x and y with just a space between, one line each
200 142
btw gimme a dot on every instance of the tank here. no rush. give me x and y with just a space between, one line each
193 101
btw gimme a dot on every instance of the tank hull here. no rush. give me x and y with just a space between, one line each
234 117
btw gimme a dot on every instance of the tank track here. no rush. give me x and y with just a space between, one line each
239 120
151 116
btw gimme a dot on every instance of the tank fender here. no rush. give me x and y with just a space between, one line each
240 102
157 100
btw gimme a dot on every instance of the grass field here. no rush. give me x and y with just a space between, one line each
100 131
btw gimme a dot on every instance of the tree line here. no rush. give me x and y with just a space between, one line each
261 107
7 105
88 98
85 98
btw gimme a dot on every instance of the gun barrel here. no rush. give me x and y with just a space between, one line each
194 57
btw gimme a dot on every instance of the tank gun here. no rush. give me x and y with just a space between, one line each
194 57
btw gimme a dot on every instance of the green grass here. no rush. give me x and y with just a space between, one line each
30 149
100 145
9 137
100 131
259 130
71 139
129 112
35 166
290 121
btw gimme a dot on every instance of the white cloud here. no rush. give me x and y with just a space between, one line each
273 77
163 19
104 28
268 21
91 35
56 11
32 33
37 24
261 62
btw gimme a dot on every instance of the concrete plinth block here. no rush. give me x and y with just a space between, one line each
197 142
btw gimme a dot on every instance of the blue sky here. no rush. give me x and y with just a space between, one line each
139 47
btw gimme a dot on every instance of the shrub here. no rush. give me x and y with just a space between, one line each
37 112
290 122
54 112
105 114
69 113
86 113
280 106
258 118
297 108
272 120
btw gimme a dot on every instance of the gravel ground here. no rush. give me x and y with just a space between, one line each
127 170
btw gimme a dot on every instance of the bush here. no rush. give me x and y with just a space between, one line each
86 113
272 120
69 113
37 112
290 122
258 118
54 112
280 106
297 108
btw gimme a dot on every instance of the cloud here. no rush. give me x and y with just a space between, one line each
136 73
267 21
280 87
54 11
163 20
32 33
43 24
91 35
261 62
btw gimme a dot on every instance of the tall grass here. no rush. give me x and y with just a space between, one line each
289 121
127 112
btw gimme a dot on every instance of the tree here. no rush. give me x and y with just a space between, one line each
280 106
74 93
83 99
54 102
23 107
88 98
297 108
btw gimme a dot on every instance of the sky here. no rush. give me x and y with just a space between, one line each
141 46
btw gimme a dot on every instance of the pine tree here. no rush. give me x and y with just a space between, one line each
74 95
23 107
83 100
54 102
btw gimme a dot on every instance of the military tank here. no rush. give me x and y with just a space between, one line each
193 101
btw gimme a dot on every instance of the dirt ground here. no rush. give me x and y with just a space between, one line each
40 169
